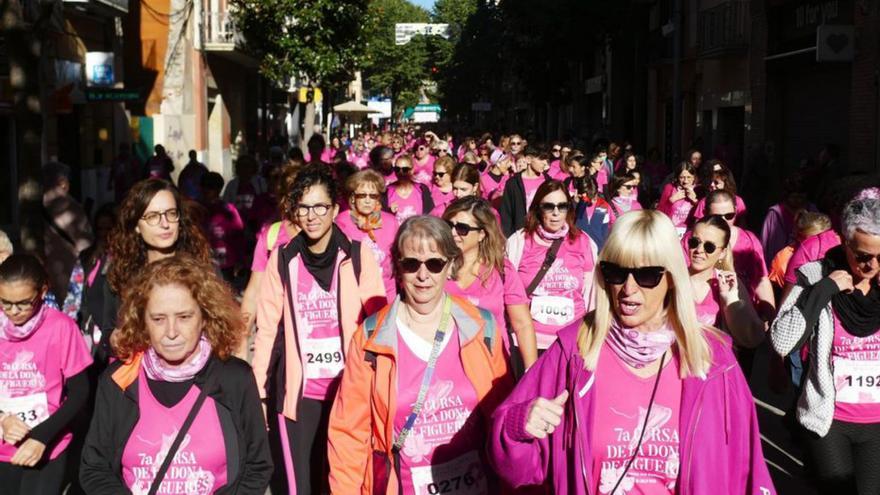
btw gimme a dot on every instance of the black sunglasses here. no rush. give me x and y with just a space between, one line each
412 265
401 170
863 258
708 246
727 216
647 277
548 207
462 229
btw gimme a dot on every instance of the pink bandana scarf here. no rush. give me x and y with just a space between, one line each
552 236
157 369
15 333
639 349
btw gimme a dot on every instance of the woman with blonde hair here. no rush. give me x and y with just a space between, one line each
686 422
177 409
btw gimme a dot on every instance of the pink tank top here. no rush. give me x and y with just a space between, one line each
442 452
320 339
618 424
709 309
199 466
856 365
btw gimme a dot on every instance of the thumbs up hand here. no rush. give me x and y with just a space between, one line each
545 415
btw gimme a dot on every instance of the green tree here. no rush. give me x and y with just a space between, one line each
395 71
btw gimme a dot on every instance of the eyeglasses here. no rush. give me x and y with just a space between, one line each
154 217
549 207
646 277
863 258
556 150
727 216
22 306
401 170
516 143
319 210
462 229
708 246
439 174
373 196
412 265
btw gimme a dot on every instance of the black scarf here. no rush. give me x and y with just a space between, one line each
322 266
859 313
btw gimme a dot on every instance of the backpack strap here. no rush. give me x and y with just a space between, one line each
548 262
489 328
272 235
356 260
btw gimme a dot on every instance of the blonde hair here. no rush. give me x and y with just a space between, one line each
648 238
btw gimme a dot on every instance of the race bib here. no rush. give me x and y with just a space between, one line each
323 358
857 382
552 310
32 409
461 476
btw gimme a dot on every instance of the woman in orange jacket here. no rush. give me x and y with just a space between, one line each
422 430
315 292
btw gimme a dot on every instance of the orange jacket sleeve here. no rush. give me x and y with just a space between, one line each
349 451
270 306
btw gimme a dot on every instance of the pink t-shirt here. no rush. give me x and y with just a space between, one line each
531 186
559 298
855 361
381 247
602 178
361 161
444 447
748 260
225 234
626 204
556 171
199 466
406 207
423 172
485 295
262 250
492 188
618 424
811 249
441 200
33 372
320 338
709 309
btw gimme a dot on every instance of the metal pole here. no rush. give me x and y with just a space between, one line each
676 79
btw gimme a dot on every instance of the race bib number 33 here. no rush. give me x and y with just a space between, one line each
32 409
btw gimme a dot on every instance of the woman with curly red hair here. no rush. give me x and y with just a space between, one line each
176 409
153 223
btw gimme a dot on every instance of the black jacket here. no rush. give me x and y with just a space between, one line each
513 207
230 383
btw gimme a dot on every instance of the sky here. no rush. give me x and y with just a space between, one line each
427 4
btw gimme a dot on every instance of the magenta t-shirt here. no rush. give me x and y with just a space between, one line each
618 422
320 338
423 172
262 250
748 260
811 249
490 187
199 466
444 447
709 309
486 295
441 200
855 361
531 186
381 248
559 298
556 171
406 207
225 234
33 372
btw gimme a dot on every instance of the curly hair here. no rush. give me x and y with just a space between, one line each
223 325
127 247
313 174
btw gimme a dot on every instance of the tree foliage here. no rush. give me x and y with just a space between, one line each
324 40
390 70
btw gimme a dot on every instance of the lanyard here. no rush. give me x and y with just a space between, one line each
439 335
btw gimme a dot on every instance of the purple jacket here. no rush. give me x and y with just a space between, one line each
720 442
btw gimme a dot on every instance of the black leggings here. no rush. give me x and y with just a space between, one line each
46 478
304 457
847 459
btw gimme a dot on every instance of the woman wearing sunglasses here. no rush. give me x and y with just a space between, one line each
421 381
316 290
722 301
43 381
153 223
622 195
422 162
638 393
405 197
553 264
367 223
748 254
480 278
835 307
442 189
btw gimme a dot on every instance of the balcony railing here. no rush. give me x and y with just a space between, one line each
723 29
218 31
